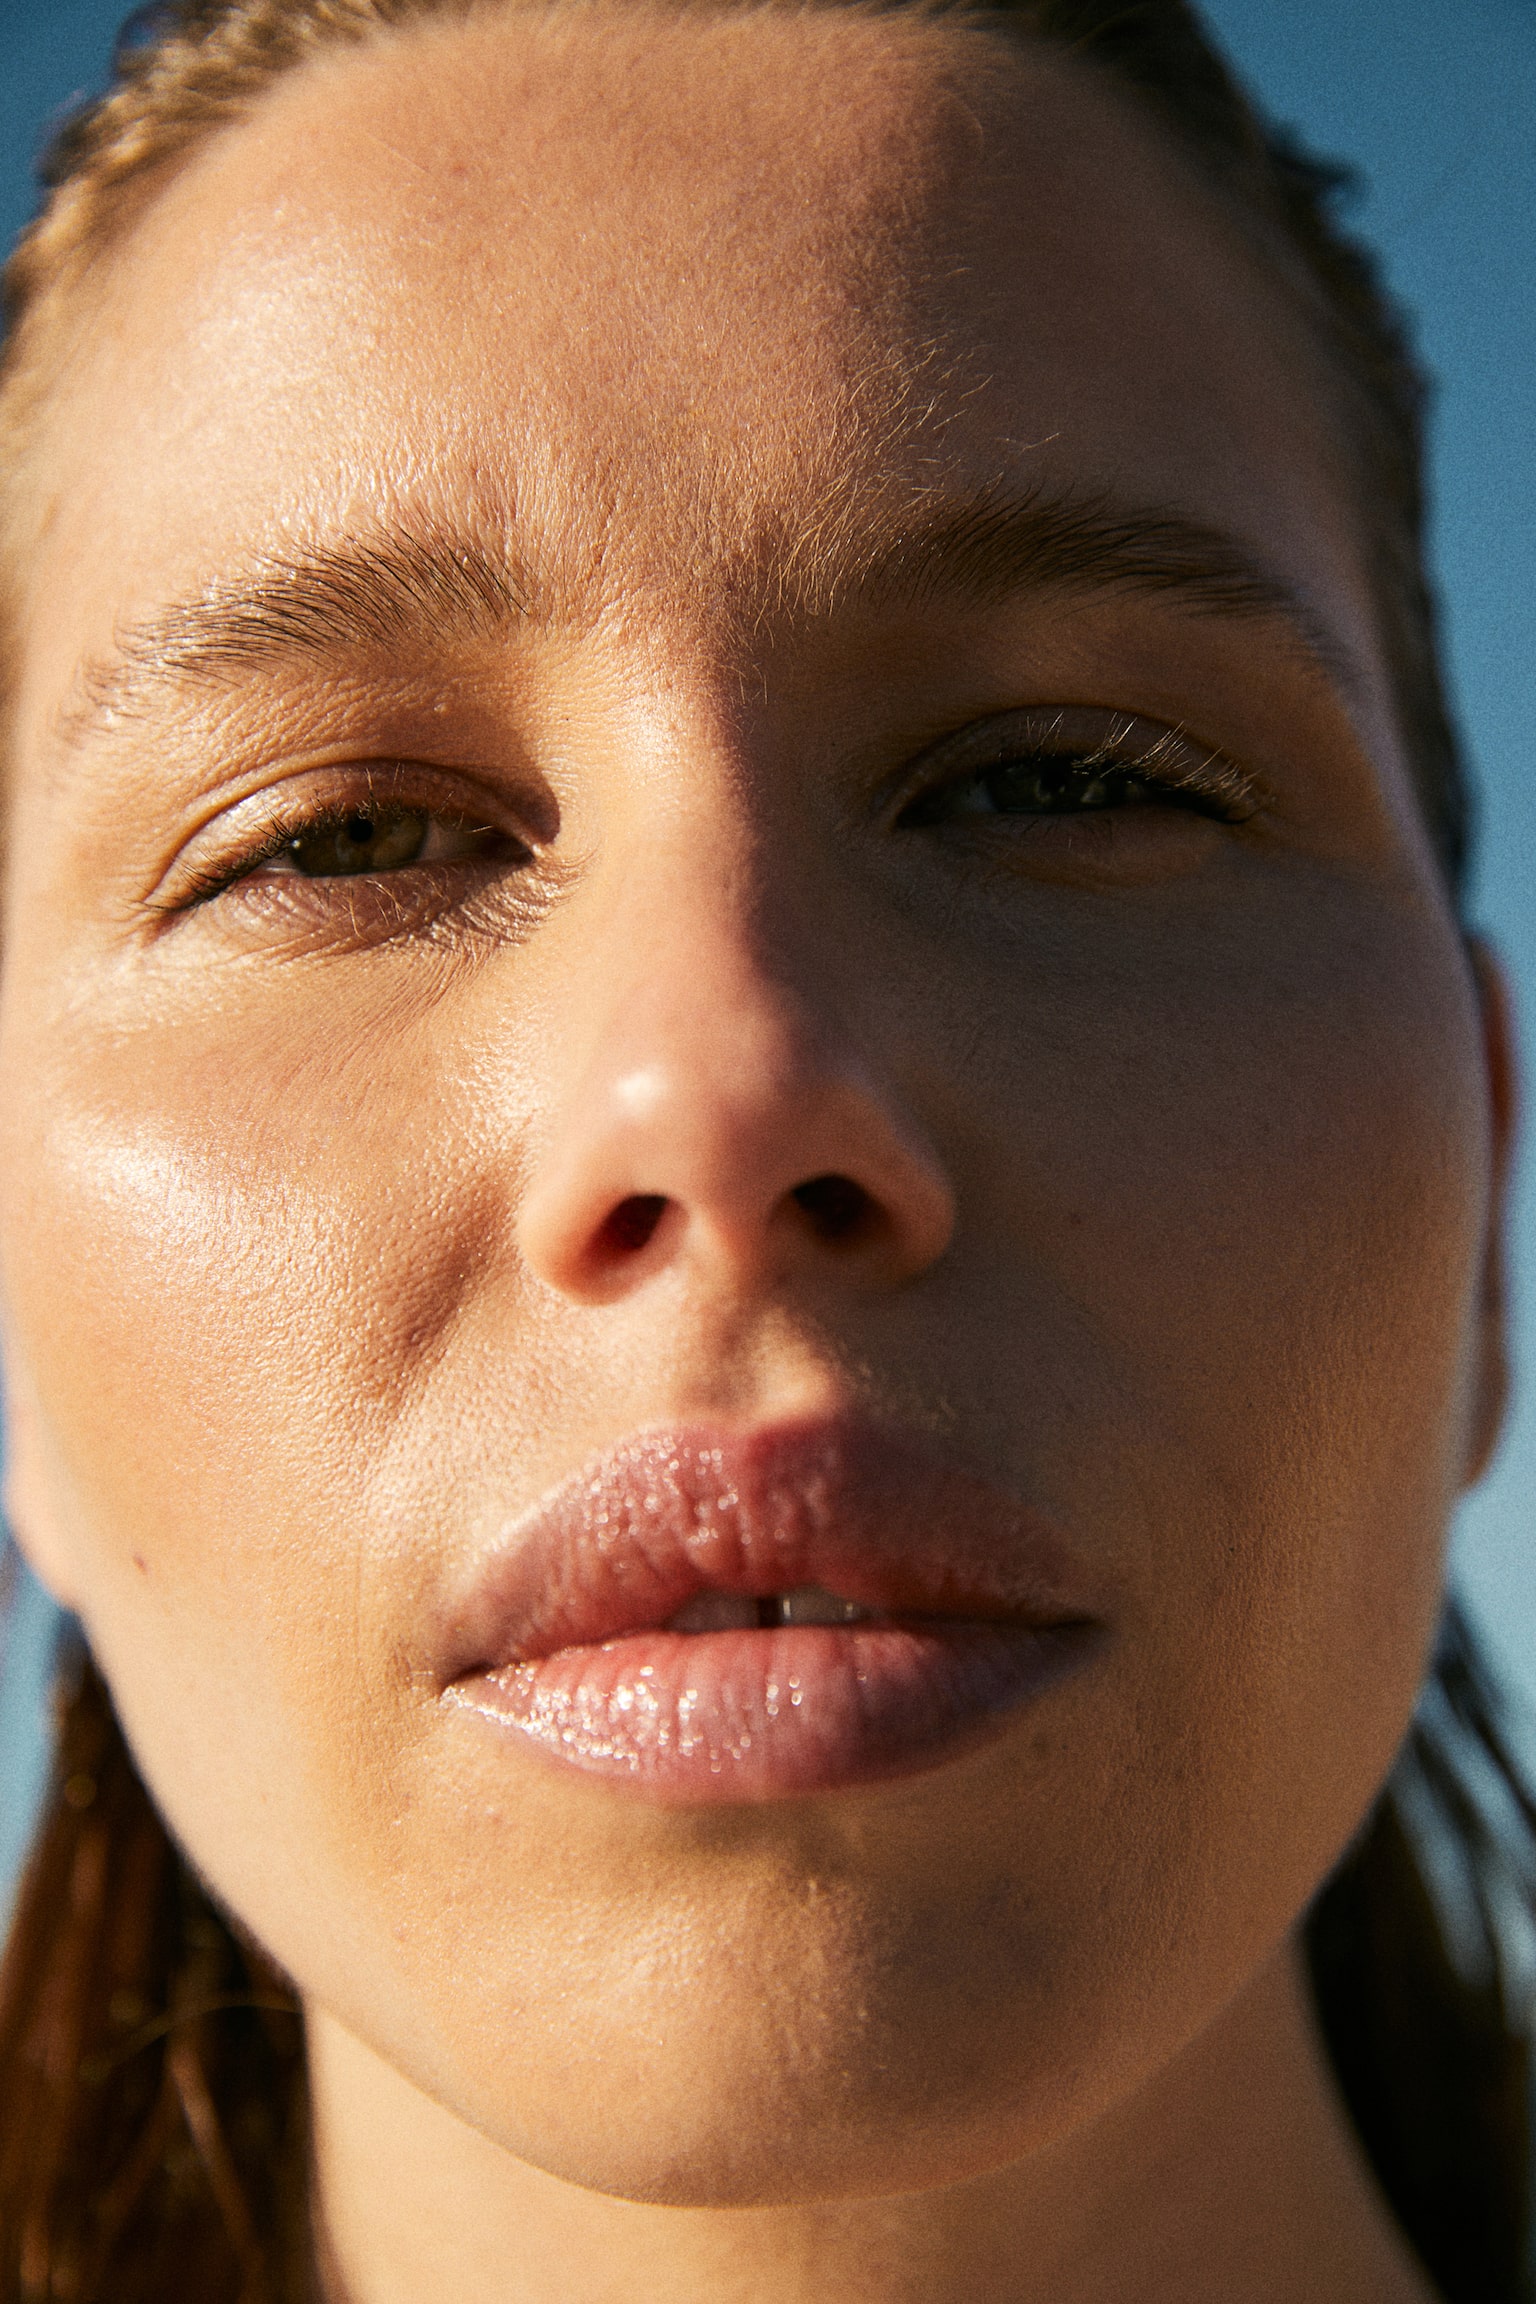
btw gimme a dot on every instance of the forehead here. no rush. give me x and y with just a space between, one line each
674 298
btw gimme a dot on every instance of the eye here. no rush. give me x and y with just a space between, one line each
1072 763
388 844
1039 784
374 840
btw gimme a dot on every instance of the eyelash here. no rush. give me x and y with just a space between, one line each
1161 768
285 828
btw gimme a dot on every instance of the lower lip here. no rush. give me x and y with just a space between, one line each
686 1718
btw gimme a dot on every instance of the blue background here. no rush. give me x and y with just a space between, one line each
1435 102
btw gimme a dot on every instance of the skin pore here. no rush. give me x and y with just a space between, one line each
820 561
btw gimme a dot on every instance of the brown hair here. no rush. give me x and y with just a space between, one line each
151 2067
150 2063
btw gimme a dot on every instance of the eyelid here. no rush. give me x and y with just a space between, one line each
1129 742
262 823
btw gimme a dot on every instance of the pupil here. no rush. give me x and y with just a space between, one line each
1053 787
1046 785
359 843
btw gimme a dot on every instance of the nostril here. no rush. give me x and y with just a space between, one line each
838 1208
632 1225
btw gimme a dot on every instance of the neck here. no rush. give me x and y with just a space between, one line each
1233 2173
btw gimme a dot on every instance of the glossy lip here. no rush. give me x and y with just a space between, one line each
563 1633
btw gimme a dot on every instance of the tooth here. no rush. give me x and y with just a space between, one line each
814 1604
744 1611
716 1612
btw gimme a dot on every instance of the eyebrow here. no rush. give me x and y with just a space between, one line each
358 597
392 591
991 547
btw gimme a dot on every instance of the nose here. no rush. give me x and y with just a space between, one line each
722 1117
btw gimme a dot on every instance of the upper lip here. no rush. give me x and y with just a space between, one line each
868 1513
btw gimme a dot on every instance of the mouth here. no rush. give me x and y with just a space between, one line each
701 1616
752 1612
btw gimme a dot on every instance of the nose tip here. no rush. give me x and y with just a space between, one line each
799 1175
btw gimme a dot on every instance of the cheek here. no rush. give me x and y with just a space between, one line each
1245 1188
233 1284
227 1280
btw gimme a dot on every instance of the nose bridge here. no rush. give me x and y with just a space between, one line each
724 1073
714 1030
720 1104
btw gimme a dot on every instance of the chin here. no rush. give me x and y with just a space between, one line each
816 2058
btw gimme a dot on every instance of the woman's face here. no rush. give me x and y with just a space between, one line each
704 794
